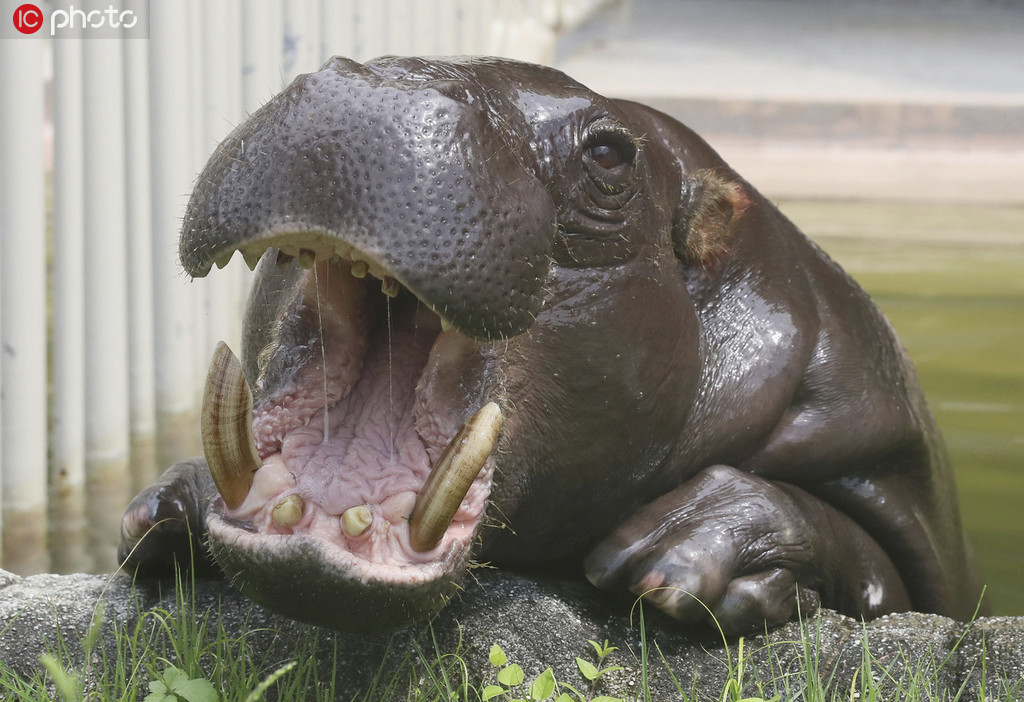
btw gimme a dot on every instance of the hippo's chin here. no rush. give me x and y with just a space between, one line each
317 581
367 483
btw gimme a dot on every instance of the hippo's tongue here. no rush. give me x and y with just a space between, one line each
233 459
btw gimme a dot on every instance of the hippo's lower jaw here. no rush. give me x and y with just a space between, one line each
367 483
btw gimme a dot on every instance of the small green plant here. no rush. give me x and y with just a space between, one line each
174 685
510 678
593 672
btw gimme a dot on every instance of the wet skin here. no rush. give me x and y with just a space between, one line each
699 406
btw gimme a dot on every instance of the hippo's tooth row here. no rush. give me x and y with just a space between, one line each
233 459
309 248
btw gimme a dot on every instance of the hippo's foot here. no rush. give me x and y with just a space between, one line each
165 524
746 551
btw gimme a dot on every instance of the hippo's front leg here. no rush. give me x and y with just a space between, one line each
746 547
166 523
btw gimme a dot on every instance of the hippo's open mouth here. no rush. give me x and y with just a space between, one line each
363 443
375 188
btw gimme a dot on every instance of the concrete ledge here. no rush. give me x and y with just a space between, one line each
540 623
918 100
950 176
861 124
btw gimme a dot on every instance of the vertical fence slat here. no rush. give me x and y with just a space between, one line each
446 31
67 528
425 20
398 23
177 379
370 29
23 292
336 29
262 42
222 110
140 264
301 39
195 147
474 30
106 300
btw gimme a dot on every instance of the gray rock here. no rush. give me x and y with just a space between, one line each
538 623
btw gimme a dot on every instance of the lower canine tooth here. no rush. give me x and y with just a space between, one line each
226 426
289 511
452 476
307 258
356 520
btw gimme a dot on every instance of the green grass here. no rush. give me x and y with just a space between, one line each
187 655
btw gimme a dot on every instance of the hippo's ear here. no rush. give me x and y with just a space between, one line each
709 208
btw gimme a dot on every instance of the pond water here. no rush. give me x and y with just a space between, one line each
951 280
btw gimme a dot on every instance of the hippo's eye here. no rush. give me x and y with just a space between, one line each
609 154
609 151
605 155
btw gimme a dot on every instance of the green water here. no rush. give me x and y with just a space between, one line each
951 280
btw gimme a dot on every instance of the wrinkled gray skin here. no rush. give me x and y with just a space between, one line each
696 398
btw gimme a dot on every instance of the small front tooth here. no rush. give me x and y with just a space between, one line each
446 325
356 520
223 260
360 269
390 287
226 428
307 258
452 476
336 258
289 511
252 257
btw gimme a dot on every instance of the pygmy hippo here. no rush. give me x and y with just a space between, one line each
498 318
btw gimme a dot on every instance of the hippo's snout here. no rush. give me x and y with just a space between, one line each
389 165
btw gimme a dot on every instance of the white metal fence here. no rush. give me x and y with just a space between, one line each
104 340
